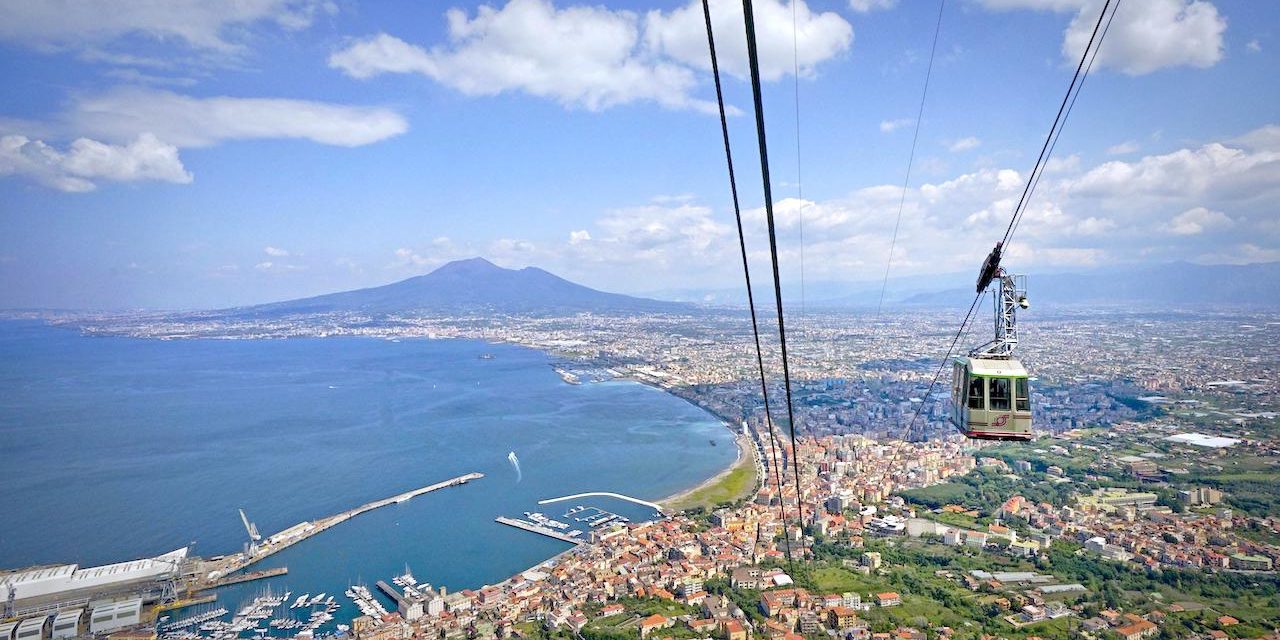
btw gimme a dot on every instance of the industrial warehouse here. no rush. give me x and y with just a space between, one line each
64 601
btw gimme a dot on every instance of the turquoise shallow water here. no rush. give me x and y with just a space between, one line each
118 448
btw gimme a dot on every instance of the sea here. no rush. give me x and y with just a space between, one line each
117 448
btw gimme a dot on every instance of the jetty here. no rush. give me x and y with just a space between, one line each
249 576
546 531
607 494
216 572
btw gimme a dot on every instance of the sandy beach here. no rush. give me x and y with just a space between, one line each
746 455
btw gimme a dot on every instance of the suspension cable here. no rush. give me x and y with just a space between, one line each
795 66
746 270
1058 135
753 59
906 433
911 157
1044 149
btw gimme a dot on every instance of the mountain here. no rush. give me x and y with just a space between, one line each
475 283
1178 283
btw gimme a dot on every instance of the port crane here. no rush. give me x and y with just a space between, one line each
252 529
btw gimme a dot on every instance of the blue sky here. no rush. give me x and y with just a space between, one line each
204 155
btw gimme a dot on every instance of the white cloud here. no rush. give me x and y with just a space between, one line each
406 256
507 247
593 57
263 266
133 76
1254 46
1144 36
864 6
1243 253
1198 220
661 237
87 162
963 144
1124 148
1151 35
587 57
188 121
1231 173
1039 5
579 236
200 24
1261 139
1062 164
817 37
275 252
1212 203
889 126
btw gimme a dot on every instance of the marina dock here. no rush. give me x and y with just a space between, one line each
216 574
546 531
395 595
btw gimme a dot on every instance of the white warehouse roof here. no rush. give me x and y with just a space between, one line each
44 581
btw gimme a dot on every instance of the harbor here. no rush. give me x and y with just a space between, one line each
544 530
142 590
591 518
213 572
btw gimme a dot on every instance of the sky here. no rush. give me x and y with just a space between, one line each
193 154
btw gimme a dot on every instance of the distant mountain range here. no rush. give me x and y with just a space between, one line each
477 284
471 284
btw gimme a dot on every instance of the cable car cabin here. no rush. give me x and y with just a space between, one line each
990 399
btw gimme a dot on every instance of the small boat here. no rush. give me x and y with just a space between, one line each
713 443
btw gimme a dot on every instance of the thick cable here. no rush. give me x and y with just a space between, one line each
746 270
753 59
1041 160
1065 117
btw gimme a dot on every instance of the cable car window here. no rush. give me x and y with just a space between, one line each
1000 394
977 393
1020 390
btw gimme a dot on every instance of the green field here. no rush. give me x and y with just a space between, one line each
736 485
840 580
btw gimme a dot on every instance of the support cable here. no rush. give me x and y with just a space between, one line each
1071 106
753 59
1062 108
1050 141
746 270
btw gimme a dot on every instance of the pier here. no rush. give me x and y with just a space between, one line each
546 531
652 505
249 576
401 602
303 530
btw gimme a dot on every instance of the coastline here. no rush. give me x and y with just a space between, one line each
747 451
572 379
746 455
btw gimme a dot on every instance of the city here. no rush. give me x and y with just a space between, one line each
1149 472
